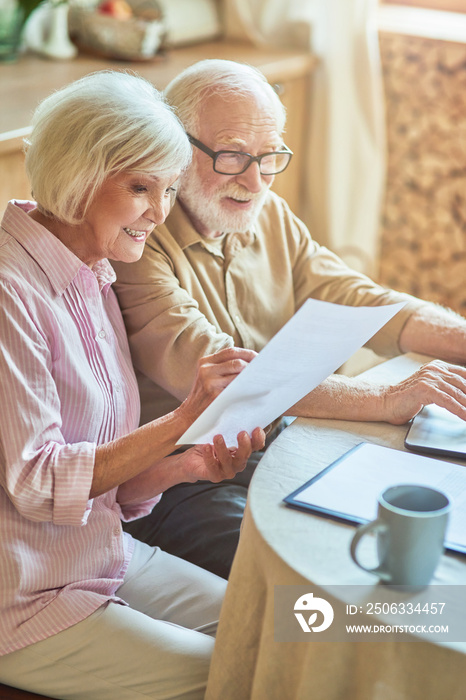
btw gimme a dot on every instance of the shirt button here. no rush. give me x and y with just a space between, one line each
117 387
102 334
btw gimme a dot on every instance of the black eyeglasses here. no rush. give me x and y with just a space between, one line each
236 162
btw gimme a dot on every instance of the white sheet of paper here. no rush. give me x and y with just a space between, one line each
317 340
353 485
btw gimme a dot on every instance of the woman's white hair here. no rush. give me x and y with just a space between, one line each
188 91
93 128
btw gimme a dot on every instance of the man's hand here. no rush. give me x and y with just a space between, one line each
355 398
436 382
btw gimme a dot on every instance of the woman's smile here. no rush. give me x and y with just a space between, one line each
138 234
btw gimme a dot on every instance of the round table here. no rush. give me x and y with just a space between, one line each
283 547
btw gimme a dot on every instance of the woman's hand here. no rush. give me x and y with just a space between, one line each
200 463
127 458
218 462
214 373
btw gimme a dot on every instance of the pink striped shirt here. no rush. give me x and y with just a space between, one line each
66 386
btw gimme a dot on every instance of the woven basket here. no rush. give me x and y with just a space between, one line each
133 39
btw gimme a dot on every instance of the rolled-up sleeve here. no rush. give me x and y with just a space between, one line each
138 510
320 274
45 478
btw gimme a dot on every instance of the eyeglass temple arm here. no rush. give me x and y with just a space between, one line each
200 146
212 154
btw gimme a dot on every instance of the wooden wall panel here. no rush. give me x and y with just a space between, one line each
423 236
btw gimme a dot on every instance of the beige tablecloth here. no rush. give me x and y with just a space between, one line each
281 546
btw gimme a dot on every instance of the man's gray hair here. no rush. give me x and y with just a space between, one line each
188 91
94 128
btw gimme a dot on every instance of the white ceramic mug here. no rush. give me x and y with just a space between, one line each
410 528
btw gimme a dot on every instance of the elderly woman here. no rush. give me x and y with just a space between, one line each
86 612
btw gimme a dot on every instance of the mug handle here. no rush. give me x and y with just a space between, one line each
375 526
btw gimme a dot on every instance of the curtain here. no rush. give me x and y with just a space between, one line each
346 160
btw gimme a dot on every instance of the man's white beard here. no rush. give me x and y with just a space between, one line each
208 211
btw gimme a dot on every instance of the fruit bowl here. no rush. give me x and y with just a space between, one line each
113 30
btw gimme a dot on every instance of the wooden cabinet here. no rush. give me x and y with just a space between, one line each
24 84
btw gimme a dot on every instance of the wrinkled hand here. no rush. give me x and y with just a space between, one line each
436 382
214 373
218 462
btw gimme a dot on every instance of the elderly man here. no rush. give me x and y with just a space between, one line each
228 268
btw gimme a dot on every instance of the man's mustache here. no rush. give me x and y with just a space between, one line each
237 192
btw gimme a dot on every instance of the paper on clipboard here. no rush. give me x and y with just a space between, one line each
317 340
348 488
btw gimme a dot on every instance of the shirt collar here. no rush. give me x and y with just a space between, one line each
46 249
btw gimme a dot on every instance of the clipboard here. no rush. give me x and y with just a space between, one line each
347 490
293 499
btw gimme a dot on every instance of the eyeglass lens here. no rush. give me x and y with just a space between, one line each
234 163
